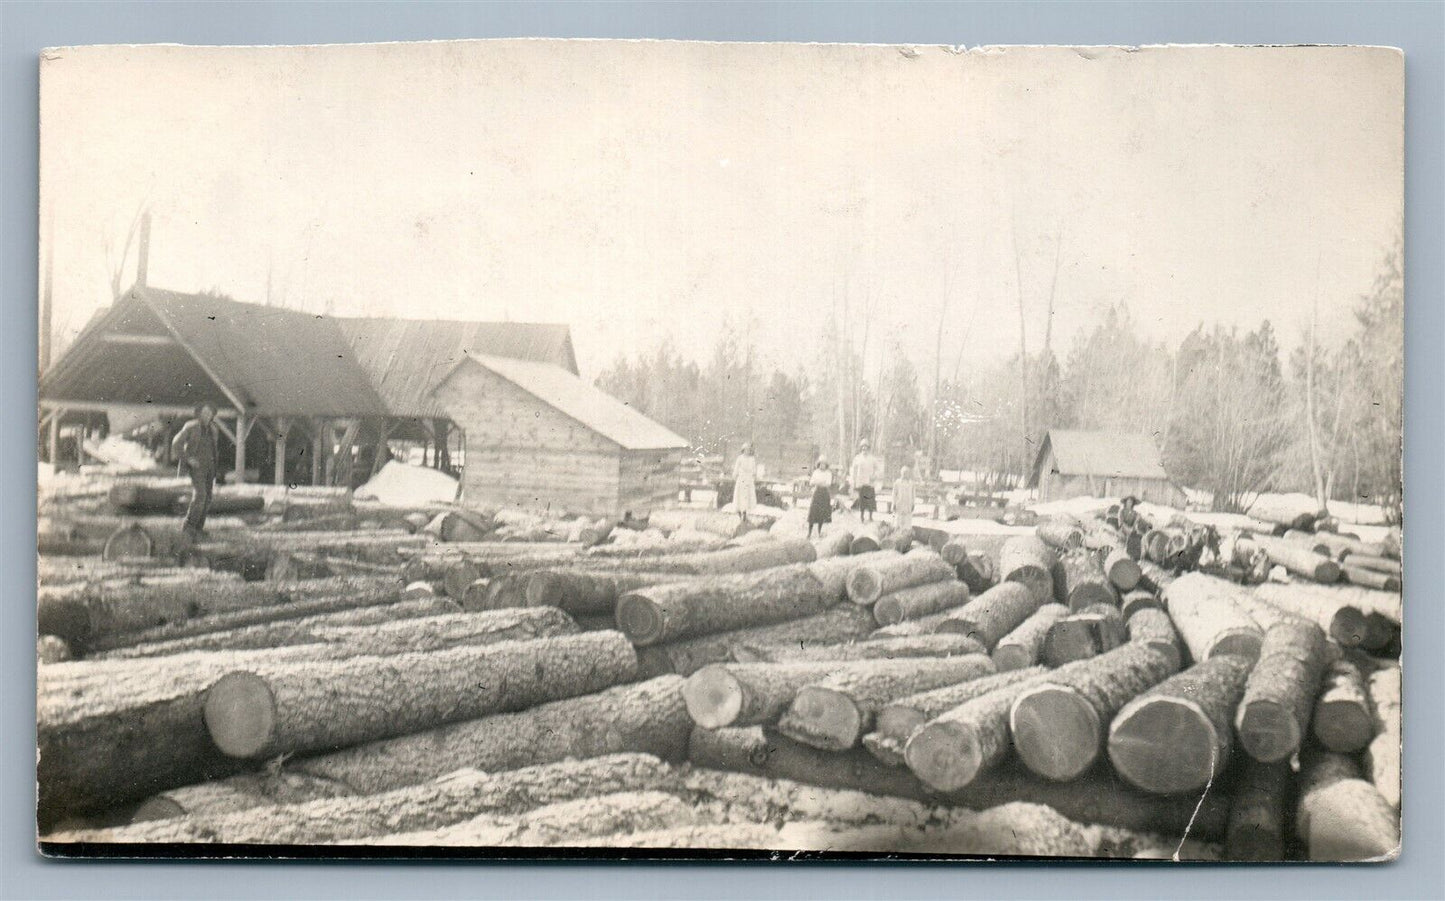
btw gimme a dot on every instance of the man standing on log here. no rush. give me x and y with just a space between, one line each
195 447
864 476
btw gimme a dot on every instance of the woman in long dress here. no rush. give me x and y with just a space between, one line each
903 501
745 489
820 511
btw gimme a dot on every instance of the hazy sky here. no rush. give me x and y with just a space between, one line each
646 189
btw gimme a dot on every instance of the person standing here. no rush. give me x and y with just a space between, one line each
903 501
195 447
820 511
745 488
864 475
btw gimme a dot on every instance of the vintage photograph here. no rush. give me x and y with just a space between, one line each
576 449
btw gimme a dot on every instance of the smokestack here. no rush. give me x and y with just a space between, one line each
144 254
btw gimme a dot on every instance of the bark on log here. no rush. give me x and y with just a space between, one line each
266 711
285 632
438 633
1061 533
458 576
749 559
1022 647
595 532
1152 626
919 601
835 712
1341 817
1330 609
564 823
1274 715
1310 540
833 571
706 606
840 623
1154 578
1058 724
898 720
1256 831
1370 578
646 717
1085 583
1156 545
839 544
451 799
1177 736
869 538
924 625
1026 559
954 551
1318 770
873 649
977 572
952 749
1139 599
1369 561
1079 636
1382 758
1300 560
869 581
1211 617
246 791
1343 720
1342 547
52 649
748 694
1101 798
993 614
582 592
1122 570
899 540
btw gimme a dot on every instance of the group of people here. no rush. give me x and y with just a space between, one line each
864 475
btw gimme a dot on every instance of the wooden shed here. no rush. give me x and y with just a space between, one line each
537 436
1102 464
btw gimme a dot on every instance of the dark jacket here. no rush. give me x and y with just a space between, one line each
195 448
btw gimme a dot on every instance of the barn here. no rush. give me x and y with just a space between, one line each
303 399
1102 464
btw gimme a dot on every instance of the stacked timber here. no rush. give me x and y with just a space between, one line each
919 601
1086 633
1152 626
1343 721
1301 561
1062 533
833 571
1084 581
1256 831
872 649
1211 617
868 582
1341 816
705 606
1023 647
977 572
898 720
839 623
583 592
1027 560
1382 757
1274 715
748 694
993 614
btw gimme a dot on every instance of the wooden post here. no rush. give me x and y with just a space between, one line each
315 451
280 468
326 440
241 429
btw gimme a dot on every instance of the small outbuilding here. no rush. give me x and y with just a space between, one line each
1102 464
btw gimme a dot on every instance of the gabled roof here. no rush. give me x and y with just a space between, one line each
591 406
1104 454
405 359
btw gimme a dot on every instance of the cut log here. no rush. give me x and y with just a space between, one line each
1156 545
564 823
833 571
1061 533
993 614
1344 546
1368 561
1274 716
749 559
899 540
275 710
647 717
839 544
834 713
1256 831
897 720
1087 633
1101 798
595 532
1122 570
1176 737
869 538
1139 599
1343 720
952 749
1341 817
108 609
748 694
954 551
1311 541
458 576
437 633
1210 616
919 601
924 625
873 649
840 623
1369 578
1058 723
1318 770
581 592
1153 577
708 605
1331 609
1022 647
1382 757
246 791
51 649
1084 582
450 799
1026 559
1152 626
869 581
283 632
977 572
1300 560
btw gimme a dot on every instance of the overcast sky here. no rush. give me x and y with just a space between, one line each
638 190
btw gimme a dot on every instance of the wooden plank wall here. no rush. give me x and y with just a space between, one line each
523 452
651 479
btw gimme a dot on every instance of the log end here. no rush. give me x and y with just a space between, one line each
544 589
1165 746
129 542
713 696
639 618
954 552
1091 593
887 612
823 718
416 590
1327 571
863 544
945 755
240 714
885 748
1039 582
1009 657
1124 572
1344 727
1056 732
864 585
1240 642
1348 627
1267 730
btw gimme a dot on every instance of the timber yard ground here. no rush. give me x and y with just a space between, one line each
330 671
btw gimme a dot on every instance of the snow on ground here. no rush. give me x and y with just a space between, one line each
120 455
402 485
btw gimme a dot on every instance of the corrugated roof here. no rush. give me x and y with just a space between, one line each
586 403
1105 454
405 359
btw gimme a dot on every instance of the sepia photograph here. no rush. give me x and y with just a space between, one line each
585 449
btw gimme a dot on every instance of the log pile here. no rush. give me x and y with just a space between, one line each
455 686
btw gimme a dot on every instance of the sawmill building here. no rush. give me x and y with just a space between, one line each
1102 464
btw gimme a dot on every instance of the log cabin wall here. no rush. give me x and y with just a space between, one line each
521 452
650 480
